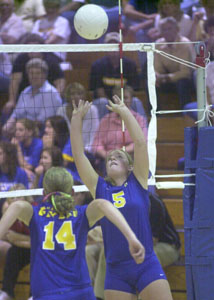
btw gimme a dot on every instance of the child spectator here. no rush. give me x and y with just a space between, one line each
10 171
28 145
56 132
50 157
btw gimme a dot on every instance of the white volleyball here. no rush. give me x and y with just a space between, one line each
91 21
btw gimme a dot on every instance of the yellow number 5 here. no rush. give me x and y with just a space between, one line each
119 200
63 236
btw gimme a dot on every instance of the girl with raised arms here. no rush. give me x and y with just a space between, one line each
126 188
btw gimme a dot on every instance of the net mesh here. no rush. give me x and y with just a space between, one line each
42 93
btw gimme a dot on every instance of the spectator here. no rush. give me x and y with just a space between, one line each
50 157
38 101
209 29
18 255
19 78
53 28
136 105
5 72
93 250
202 15
165 237
109 135
28 145
10 172
56 132
76 92
192 116
105 72
29 11
68 10
11 26
171 8
171 75
139 18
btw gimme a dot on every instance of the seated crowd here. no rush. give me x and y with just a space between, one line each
35 119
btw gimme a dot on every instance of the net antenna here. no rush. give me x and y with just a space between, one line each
200 50
121 67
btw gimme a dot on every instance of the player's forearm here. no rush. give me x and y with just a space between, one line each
9 218
23 244
132 126
76 135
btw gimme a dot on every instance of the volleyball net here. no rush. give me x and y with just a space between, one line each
82 64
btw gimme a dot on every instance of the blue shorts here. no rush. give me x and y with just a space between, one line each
84 293
130 277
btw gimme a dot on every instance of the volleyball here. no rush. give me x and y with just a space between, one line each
91 21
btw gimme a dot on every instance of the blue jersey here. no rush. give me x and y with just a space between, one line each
58 262
133 202
32 152
6 182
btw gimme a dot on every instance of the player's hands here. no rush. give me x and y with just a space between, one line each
81 109
117 105
137 250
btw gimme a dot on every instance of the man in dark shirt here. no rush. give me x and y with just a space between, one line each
105 72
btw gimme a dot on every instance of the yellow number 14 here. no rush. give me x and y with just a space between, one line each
63 236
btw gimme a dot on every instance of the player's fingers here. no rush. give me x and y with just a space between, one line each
110 102
139 255
109 107
116 99
74 104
